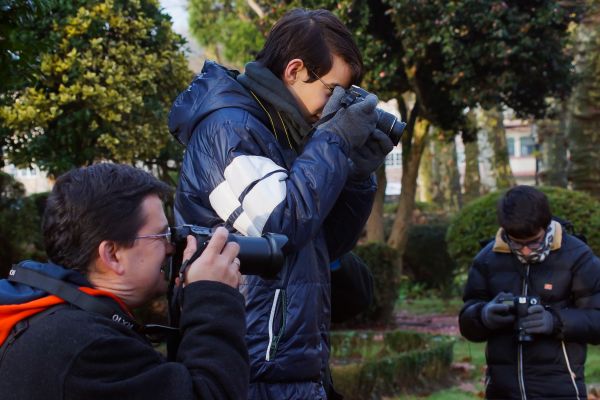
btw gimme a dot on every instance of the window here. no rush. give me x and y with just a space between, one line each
510 144
527 146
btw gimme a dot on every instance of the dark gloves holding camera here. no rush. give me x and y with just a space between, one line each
539 320
496 315
366 159
354 123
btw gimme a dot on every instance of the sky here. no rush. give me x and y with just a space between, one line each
177 9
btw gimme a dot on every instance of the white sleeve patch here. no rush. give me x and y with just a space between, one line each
259 202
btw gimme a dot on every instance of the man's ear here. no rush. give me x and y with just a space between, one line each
110 257
290 73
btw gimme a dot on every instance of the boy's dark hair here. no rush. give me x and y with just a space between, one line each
90 204
312 36
523 211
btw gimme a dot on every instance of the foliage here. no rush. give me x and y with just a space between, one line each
20 219
103 90
228 26
477 221
20 41
370 364
381 260
426 259
584 111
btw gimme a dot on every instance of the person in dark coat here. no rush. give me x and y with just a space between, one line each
273 150
108 241
536 345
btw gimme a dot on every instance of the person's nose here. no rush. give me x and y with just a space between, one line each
526 250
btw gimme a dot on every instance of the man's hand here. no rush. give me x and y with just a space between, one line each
218 262
354 123
495 315
366 159
539 320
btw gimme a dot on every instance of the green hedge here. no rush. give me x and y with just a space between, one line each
477 221
382 261
426 259
20 218
373 364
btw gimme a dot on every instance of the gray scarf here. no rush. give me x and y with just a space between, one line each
268 87
538 256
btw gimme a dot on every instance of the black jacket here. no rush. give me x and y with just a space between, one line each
69 353
568 284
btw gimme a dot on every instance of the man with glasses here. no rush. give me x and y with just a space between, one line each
533 294
257 160
66 326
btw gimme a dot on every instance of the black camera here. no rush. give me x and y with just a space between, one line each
386 122
261 255
519 305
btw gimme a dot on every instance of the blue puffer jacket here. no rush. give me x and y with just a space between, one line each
236 173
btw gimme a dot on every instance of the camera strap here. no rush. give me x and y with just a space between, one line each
72 295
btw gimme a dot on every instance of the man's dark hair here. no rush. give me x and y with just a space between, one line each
312 36
523 211
90 204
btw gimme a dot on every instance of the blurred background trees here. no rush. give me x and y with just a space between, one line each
93 80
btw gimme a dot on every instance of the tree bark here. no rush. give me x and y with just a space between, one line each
375 228
500 163
553 151
584 117
410 171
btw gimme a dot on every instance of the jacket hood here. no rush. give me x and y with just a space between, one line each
500 245
19 301
213 89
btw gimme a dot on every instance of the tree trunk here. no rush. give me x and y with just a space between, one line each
553 151
375 230
438 173
472 177
500 163
427 175
412 151
584 118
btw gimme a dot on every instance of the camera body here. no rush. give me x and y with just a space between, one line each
261 255
386 122
519 306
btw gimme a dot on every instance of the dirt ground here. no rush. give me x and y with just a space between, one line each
434 323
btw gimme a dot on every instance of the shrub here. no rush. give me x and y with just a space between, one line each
370 364
426 259
477 221
382 261
20 235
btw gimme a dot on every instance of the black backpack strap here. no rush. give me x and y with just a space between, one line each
71 294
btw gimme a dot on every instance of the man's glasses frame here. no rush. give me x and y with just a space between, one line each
321 80
166 235
532 245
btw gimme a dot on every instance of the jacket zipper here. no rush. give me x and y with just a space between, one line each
520 345
277 311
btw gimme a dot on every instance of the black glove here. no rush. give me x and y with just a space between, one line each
495 315
354 123
366 159
538 320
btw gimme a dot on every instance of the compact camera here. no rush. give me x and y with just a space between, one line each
386 122
519 305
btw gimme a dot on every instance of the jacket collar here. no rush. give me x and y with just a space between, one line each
500 245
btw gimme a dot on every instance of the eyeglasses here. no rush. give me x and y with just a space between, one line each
321 80
166 235
531 245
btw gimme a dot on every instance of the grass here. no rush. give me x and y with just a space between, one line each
430 305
